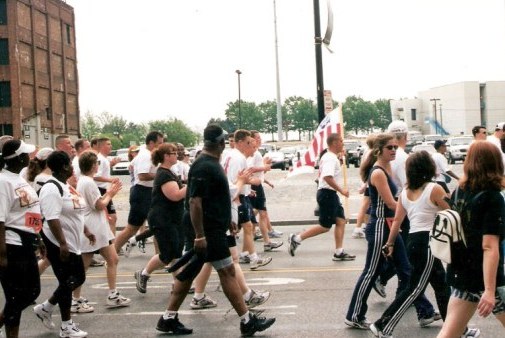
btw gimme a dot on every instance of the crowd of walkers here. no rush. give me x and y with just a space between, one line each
56 209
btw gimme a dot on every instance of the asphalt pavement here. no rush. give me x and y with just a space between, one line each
310 293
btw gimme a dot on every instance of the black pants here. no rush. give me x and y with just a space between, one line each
425 268
70 274
20 282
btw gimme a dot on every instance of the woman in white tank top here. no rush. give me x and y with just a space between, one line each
420 202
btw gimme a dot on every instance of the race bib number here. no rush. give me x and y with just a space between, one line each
33 221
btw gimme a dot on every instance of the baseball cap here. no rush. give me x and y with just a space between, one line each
398 127
500 126
14 148
44 153
439 143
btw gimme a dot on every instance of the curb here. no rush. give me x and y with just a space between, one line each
305 222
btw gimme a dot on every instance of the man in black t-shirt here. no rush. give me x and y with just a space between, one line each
209 202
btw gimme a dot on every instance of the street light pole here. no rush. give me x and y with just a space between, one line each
239 100
435 108
319 62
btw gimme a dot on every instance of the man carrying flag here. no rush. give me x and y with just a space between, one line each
330 209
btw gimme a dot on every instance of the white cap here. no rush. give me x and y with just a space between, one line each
24 148
500 126
398 127
44 153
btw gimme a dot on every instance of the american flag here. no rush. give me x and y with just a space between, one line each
330 124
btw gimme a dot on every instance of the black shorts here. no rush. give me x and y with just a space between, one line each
217 246
111 209
244 210
259 201
330 207
170 241
140 203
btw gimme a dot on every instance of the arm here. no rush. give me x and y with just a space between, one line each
380 182
102 202
146 177
490 246
438 197
400 214
332 183
55 226
3 247
452 174
196 214
171 191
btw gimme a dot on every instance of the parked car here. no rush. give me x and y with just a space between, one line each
279 161
424 146
457 147
354 152
121 168
293 153
431 138
413 139
266 148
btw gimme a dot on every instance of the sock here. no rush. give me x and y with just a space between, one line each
132 240
198 295
145 273
48 306
298 239
65 323
248 294
253 256
244 254
112 292
339 251
169 314
245 318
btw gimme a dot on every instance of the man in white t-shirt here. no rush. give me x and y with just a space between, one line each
234 164
81 145
330 209
140 194
497 137
103 177
479 133
442 167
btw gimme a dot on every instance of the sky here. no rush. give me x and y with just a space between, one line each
158 59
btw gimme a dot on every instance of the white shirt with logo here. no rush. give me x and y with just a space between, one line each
19 207
68 209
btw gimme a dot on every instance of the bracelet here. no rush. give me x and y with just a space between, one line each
200 239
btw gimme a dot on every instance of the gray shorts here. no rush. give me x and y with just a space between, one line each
474 297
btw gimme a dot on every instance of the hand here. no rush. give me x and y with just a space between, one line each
270 184
387 250
42 250
233 228
486 303
345 192
91 237
115 161
114 188
200 246
64 252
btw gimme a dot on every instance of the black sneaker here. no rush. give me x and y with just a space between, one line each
141 281
255 324
343 256
172 325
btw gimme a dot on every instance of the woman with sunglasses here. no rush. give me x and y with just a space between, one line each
420 201
376 170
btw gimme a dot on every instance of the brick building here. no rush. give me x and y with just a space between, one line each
38 70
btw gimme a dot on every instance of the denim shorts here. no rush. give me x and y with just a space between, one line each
474 297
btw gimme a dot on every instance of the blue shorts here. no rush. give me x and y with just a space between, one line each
330 207
244 210
259 201
140 203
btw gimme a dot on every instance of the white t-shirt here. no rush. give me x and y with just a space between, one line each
40 180
329 165
19 207
496 141
142 164
256 161
441 166
398 170
235 163
75 165
184 170
103 171
422 211
68 209
94 219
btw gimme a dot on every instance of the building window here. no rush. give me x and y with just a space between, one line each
4 52
3 12
69 35
5 94
6 129
413 116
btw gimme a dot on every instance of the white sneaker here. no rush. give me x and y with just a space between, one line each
260 261
117 300
81 306
130 244
44 316
358 233
72 331
257 298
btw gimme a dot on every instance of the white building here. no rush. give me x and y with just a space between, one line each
453 109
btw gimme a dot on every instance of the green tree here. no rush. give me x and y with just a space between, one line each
175 130
90 126
357 114
249 117
302 114
268 111
383 114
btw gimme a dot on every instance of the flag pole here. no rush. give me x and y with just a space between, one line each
344 171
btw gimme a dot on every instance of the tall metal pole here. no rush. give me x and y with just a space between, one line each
239 101
279 106
435 108
319 62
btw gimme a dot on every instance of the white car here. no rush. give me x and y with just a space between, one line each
457 147
424 146
121 168
279 161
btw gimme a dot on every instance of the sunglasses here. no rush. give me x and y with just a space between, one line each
391 147
171 153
